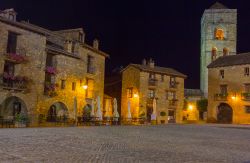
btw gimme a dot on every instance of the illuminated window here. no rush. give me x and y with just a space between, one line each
129 92
219 34
214 53
246 71
151 93
225 51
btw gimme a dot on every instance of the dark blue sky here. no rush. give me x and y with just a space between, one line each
130 30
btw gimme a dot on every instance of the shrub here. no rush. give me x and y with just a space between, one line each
202 105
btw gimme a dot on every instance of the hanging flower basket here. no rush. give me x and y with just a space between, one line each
51 70
17 57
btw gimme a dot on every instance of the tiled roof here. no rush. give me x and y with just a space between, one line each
192 92
231 60
218 5
157 69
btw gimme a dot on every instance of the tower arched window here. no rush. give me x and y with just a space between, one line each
214 53
219 34
225 51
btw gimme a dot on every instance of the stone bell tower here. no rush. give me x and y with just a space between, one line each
218 38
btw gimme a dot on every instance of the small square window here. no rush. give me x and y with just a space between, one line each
222 74
73 86
246 71
63 84
247 109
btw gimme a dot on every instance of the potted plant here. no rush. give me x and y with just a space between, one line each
21 120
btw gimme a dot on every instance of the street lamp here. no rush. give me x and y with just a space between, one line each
85 87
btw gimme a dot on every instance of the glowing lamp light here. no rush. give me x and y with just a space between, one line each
85 87
136 95
190 107
233 97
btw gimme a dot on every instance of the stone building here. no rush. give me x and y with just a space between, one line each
229 89
141 83
218 38
191 112
47 73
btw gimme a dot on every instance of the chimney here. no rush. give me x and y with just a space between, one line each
151 63
8 14
96 44
144 62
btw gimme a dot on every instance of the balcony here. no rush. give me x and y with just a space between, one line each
91 70
221 97
15 83
173 103
245 96
173 84
152 82
16 58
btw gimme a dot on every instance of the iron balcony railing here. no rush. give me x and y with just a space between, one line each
221 97
152 82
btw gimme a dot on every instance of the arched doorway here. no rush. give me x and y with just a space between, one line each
13 106
224 113
57 111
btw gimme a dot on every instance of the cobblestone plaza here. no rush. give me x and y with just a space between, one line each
165 143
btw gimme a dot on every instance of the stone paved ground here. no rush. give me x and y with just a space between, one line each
168 143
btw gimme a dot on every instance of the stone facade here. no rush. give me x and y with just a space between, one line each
58 64
142 83
218 38
235 96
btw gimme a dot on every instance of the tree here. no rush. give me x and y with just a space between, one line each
202 105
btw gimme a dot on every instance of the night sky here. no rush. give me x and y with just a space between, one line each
130 30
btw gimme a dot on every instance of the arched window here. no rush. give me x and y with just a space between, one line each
214 53
219 34
225 51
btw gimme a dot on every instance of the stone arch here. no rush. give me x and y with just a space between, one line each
225 51
224 113
57 110
219 33
13 106
213 53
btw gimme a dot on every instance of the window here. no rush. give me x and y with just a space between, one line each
225 51
214 53
162 78
73 47
80 37
151 76
90 64
151 93
171 95
219 34
222 74
12 42
9 68
247 109
223 89
11 17
129 92
247 88
63 84
73 86
246 71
